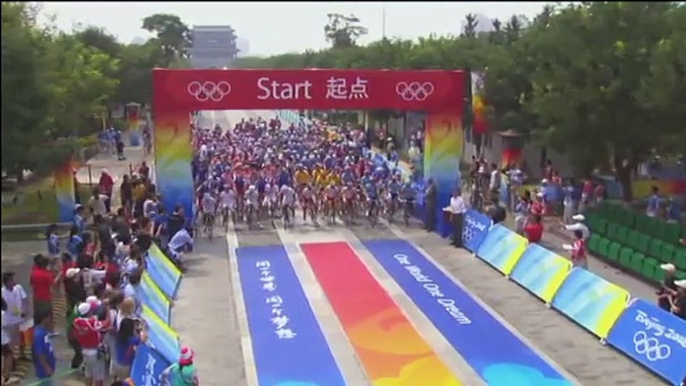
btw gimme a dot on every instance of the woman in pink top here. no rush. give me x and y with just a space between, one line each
579 258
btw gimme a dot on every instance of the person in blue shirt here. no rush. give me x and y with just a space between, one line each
53 240
673 210
653 208
127 341
394 188
42 352
78 219
75 242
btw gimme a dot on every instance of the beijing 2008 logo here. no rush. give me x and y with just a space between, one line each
414 91
650 347
206 91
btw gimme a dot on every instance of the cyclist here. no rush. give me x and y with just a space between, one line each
348 193
307 197
330 195
209 209
288 197
409 196
227 198
271 198
251 203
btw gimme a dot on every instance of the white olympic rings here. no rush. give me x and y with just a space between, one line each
650 347
209 91
414 91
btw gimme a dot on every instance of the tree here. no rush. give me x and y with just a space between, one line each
469 30
585 90
172 34
343 30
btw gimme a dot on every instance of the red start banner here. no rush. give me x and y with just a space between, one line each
309 89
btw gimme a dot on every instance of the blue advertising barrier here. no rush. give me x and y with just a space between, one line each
161 337
152 296
502 248
288 344
652 337
162 271
591 301
475 229
541 271
147 367
490 348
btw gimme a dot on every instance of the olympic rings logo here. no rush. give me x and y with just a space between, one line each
650 347
414 91
206 91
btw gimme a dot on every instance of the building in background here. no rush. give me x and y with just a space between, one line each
214 46
243 47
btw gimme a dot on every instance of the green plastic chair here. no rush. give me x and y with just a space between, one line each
659 274
626 217
649 269
671 233
625 256
593 243
632 239
602 226
655 248
641 223
603 246
667 253
643 243
680 260
623 235
681 275
613 251
654 228
636 262
612 231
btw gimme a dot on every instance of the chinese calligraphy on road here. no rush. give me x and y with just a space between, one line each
279 318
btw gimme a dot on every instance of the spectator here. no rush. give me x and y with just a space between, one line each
17 302
679 301
668 288
496 212
579 258
126 343
105 185
126 193
653 208
457 210
75 242
182 373
43 353
89 331
97 203
42 279
7 351
53 241
534 230
79 220
578 225
430 203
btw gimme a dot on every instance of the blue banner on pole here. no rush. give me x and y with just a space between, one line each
147 367
162 271
541 271
287 342
490 348
652 337
475 229
591 301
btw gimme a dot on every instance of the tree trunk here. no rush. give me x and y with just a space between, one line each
624 177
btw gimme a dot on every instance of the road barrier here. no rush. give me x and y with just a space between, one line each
652 337
162 347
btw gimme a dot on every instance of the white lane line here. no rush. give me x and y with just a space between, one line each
421 323
403 236
241 313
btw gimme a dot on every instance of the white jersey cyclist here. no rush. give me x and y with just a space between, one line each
307 194
288 196
228 198
348 193
208 203
252 196
271 194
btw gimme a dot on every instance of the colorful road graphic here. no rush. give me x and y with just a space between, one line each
491 349
389 348
289 347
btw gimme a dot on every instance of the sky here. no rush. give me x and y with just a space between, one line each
279 27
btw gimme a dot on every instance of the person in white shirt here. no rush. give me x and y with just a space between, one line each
579 226
7 353
177 244
457 210
17 302
97 203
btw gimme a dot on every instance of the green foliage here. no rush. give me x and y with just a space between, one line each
602 82
343 30
57 86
